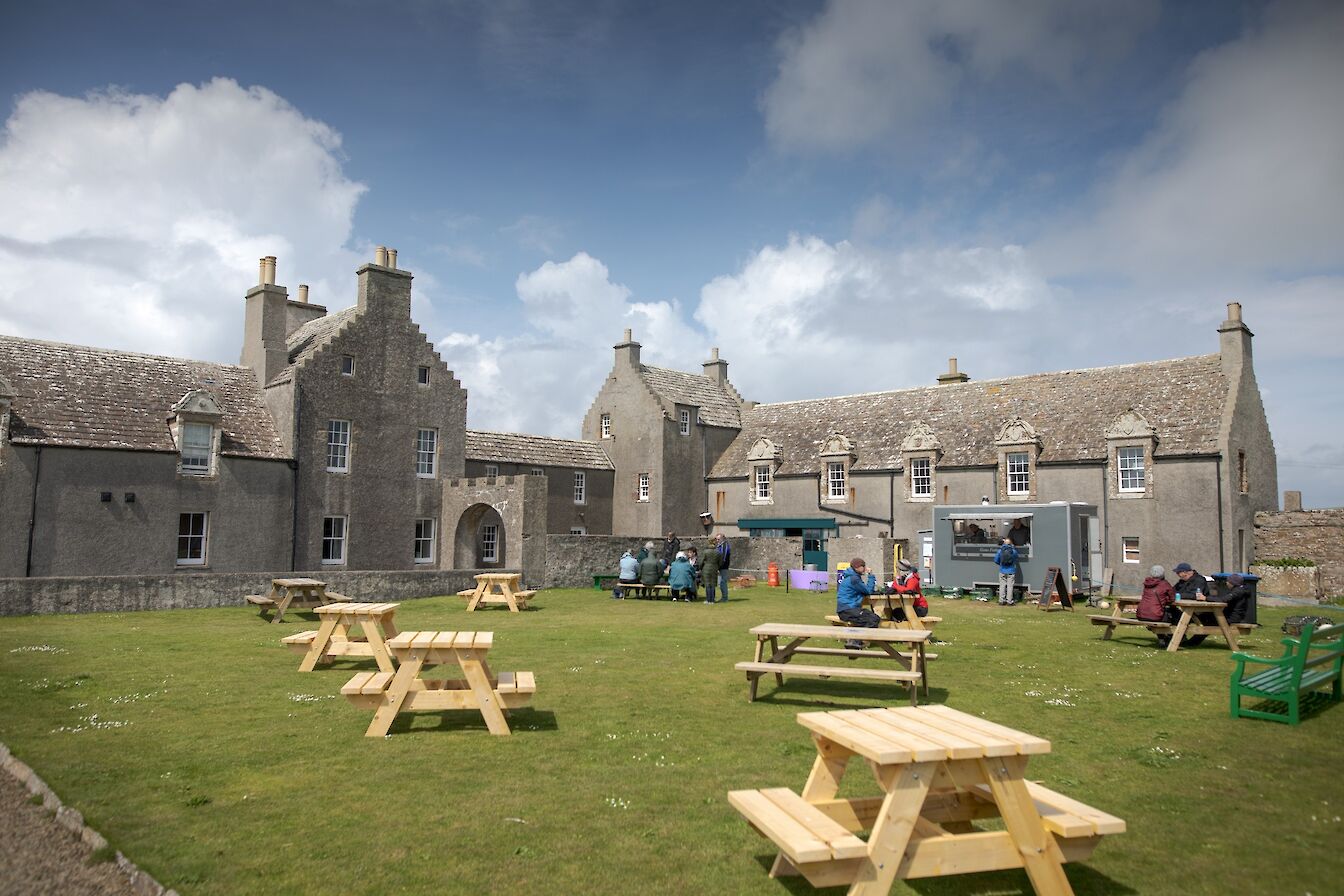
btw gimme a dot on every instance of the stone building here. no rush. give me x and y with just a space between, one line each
579 476
1177 455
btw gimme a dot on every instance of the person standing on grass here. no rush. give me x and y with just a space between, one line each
693 557
671 546
681 577
709 570
1006 558
629 575
855 584
725 552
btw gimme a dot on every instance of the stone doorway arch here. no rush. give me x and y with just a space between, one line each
480 540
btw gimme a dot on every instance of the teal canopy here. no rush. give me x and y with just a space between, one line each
787 524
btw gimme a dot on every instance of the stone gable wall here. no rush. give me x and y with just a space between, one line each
1315 534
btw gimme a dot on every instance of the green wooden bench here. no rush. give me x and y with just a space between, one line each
1309 661
600 580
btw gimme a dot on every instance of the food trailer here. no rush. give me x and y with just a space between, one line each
1062 534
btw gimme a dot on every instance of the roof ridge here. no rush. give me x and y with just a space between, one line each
122 352
526 435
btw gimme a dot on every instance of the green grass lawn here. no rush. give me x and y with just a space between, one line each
188 738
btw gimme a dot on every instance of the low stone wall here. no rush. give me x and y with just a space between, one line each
1315 534
96 594
572 560
1289 581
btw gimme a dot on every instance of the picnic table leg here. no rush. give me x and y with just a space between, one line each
906 787
1040 853
319 645
374 635
774 658
1177 636
508 597
1229 633
476 597
396 693
477 674
281 602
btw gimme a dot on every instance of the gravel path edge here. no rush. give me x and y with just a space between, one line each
72 820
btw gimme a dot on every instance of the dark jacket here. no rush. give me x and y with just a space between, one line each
1238 602
850 592
1157 596
650 570
725 552
709 566
670 549
1192 587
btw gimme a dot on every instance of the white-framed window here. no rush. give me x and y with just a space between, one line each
1129 548
606 426
921 477
333 540
580 487
197 444
347 365
577 530
422 376
684 422
835 480
424 540
1129 463
338 446
760 482
426 452
490 544
1019 473
536 471
192 529
491 471
643 487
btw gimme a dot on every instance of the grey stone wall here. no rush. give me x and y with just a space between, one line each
594 515
17 464
93 594
1315 534
571 561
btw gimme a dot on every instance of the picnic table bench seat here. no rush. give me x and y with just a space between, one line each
859 654
367 683
802 832
260 600
928 621
466 592
764 668
300 641
1313 659
1158 627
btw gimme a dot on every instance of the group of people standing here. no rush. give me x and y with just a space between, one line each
1158 601
685 570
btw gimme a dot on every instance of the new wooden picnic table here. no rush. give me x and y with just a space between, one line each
912 661
937 770
333 637
390 693
494 588
1186 625
297 592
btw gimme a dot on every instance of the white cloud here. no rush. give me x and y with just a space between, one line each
142 217
1243 175
868 70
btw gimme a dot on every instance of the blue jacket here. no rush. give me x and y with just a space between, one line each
680 574
1007 559
629 568
849 593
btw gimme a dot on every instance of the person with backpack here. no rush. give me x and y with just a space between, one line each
1006 558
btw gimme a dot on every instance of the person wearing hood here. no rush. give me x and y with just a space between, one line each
650 570
1238 598
854 585
629 575
681 578
908 583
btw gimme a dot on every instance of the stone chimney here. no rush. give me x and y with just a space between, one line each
627 352
264 321
716 368
299 313
1292 501
382 288
1234 342
952 375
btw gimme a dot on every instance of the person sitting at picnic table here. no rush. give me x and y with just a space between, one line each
650 569
855 584
1006 558
1158 602
644 551
1193 586
908 583
1238 598
629 575
681 578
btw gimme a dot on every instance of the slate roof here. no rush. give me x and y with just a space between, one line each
541 451
310 338
1070 411
717 408
72 395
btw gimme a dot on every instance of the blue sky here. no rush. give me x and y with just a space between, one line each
839 196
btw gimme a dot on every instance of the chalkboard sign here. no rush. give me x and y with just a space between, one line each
1055 585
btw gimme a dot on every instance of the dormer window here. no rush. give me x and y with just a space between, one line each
684 422
196 432
763 459
347 365
837 456
1130 443
920 450
1018 447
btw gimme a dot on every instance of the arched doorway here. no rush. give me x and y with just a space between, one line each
479 540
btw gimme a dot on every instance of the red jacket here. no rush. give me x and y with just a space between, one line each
1157 596
910 586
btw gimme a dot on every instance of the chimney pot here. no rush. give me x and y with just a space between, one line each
380 256
953 375
392 258
714 353
303 293
1234 311
270 270
629 335
951 365
261 271
1292 500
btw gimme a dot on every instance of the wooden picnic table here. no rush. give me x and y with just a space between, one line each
296 592
903 602
913 661
391 693
937 770
497 588
332 638
1186 625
